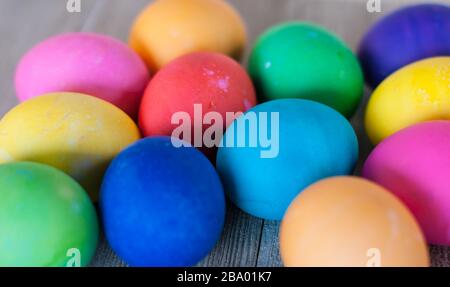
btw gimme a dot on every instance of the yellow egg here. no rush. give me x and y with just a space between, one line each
350 221
76 133
167 29
416 93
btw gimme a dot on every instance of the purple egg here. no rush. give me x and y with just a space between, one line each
405 36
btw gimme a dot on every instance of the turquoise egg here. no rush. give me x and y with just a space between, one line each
293 144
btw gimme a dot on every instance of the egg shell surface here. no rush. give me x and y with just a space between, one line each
168 29
416 93
88 63
76 133
46 218
161 205
302 60
350 222
405 36
414 164
309 141
213 81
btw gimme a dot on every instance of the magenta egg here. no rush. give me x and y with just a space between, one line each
414 164
87 63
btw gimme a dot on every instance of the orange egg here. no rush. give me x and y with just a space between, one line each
167 29
349 221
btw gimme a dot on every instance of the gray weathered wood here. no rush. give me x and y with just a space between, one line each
269 249
105 257
239 243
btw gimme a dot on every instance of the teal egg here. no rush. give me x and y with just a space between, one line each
297 142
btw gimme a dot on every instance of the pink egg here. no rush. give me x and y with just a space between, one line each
86 63
414 164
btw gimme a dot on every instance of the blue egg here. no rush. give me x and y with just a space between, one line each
405 36
162 205
298 142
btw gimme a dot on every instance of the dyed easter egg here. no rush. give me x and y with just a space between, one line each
349 221
409 34
414 164
46 218
276 149
76 133
416 93
162 205
86 63
301 60
167 29
186 90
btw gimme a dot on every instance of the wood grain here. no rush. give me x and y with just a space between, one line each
246 241
240 241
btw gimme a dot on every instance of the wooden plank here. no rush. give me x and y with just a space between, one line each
239 243
269 250
440 256
104 256
115 17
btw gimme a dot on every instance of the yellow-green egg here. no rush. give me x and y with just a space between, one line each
75 133
416 93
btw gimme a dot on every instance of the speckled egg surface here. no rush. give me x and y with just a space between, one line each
416 93
192 86
76 133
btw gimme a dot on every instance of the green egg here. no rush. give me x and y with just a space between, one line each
46 218
301 60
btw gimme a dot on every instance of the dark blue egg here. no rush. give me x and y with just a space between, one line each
405 36
162 205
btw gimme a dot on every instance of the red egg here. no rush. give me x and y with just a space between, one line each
190 87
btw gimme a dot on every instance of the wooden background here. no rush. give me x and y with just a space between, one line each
246 241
